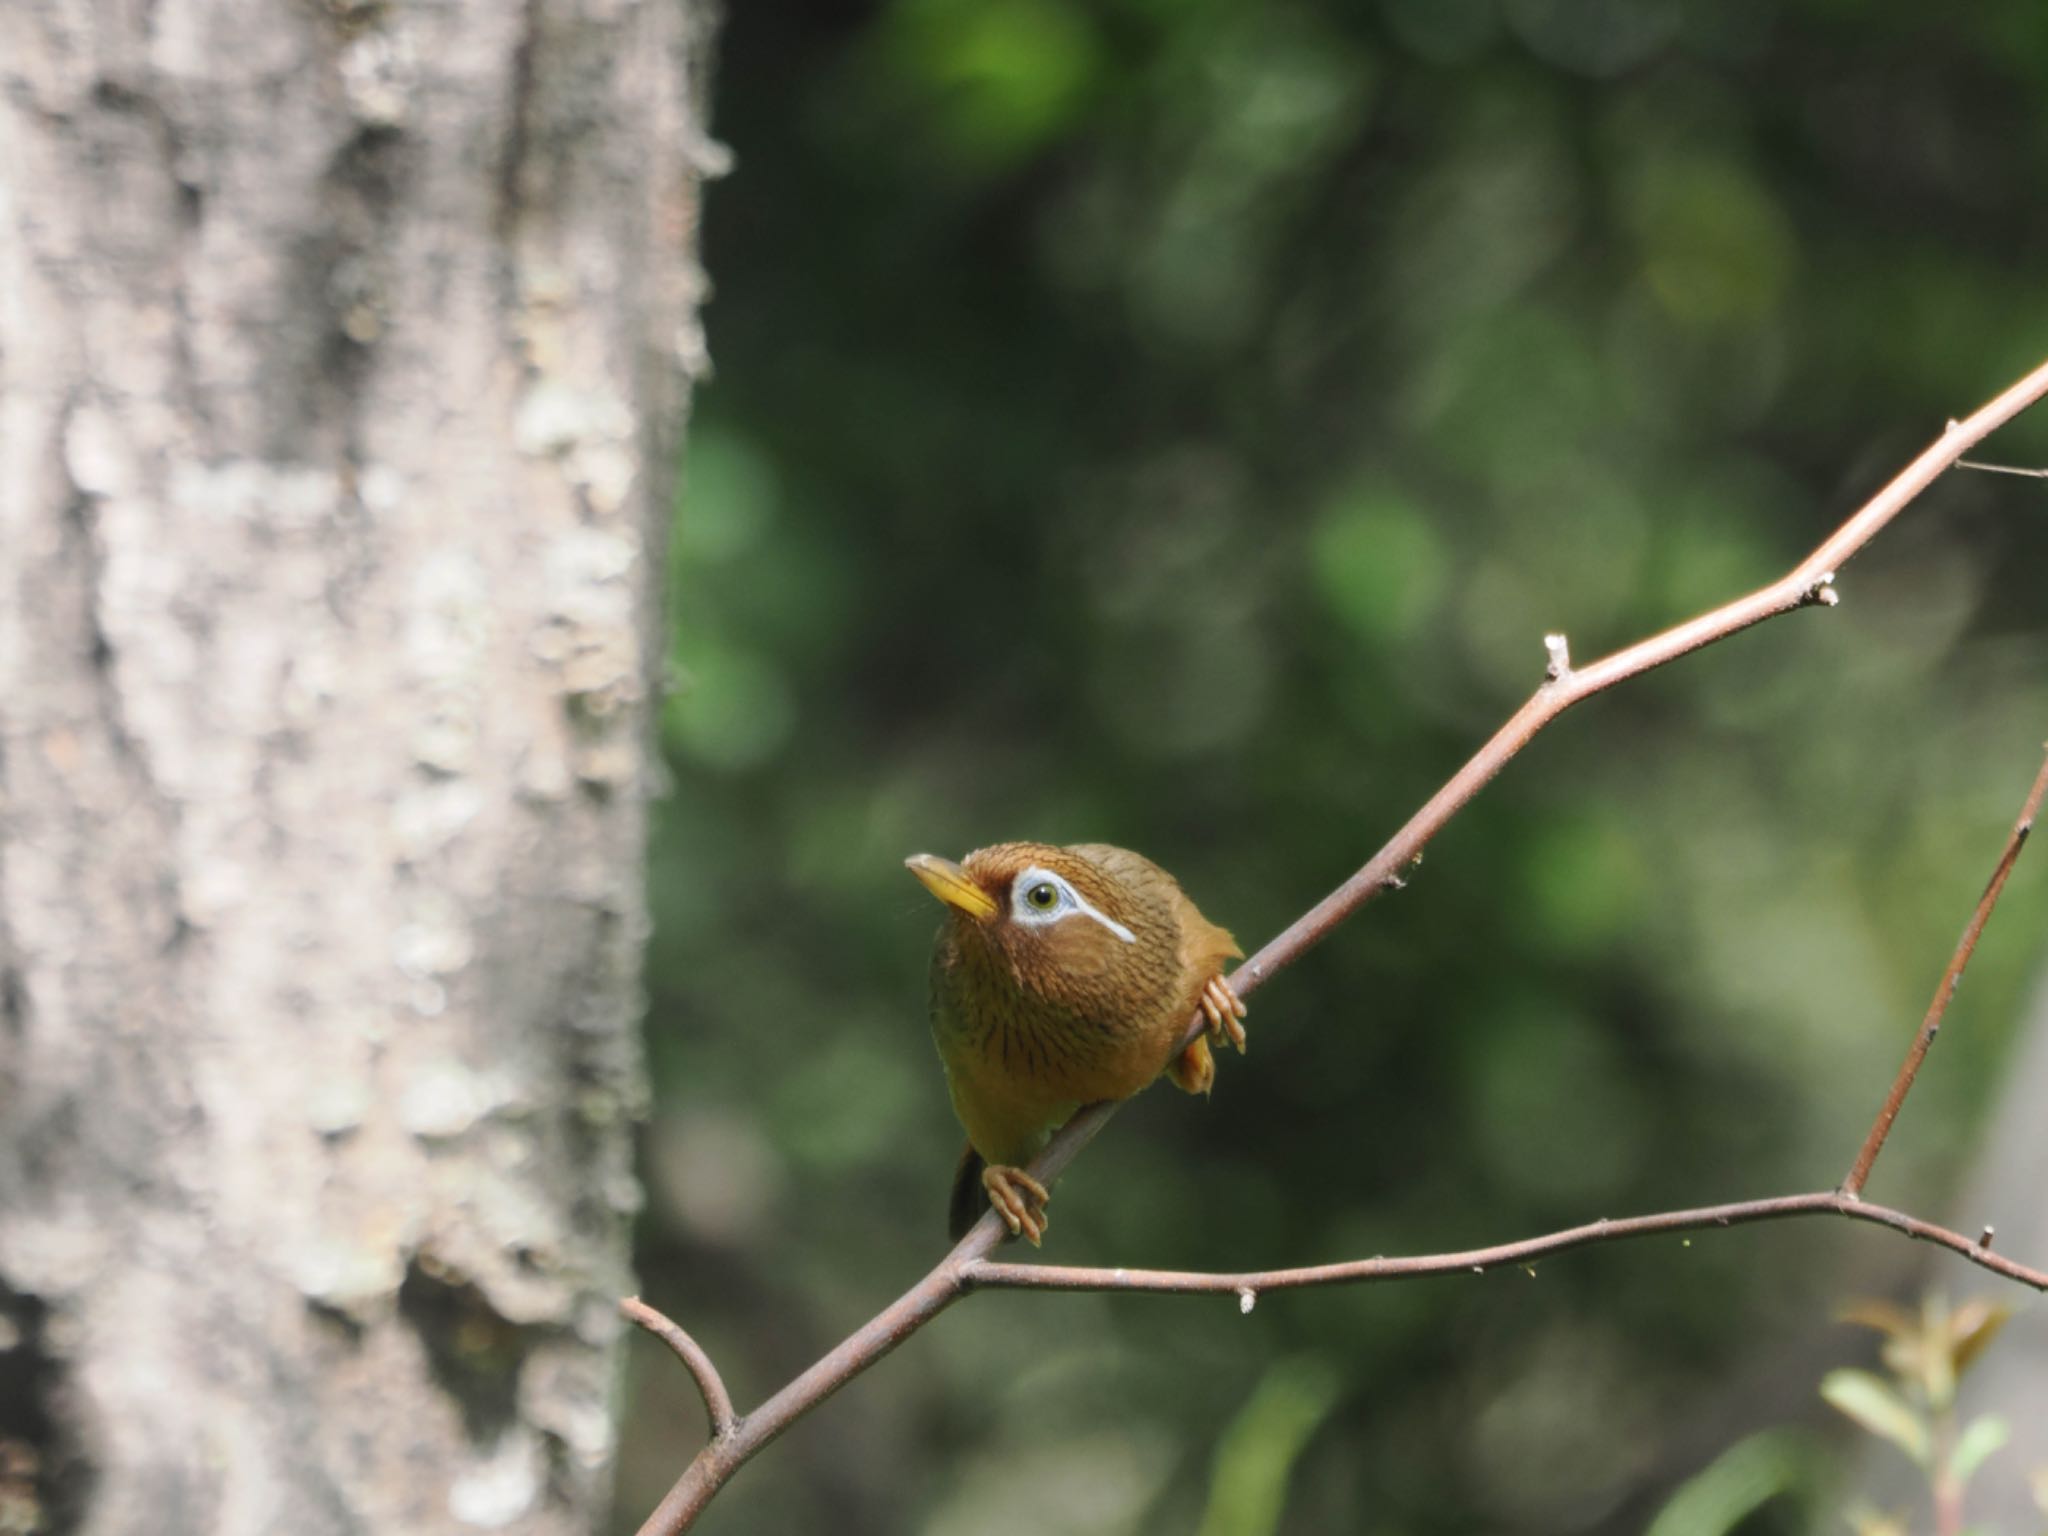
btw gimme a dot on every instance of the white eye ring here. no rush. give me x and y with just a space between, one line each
1065 902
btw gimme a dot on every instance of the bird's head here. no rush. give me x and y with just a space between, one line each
1062 923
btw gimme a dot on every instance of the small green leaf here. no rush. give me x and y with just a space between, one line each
1874 1405
1975 1444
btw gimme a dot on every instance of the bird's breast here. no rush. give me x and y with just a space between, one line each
1098 1036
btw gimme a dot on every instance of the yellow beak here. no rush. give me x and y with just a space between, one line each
948 881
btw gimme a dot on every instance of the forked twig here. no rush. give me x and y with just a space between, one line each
967 1266
717 1401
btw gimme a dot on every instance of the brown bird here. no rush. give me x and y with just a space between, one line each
1063 976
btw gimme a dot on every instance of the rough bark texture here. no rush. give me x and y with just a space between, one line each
343 348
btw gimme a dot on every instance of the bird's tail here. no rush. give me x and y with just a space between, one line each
969 1199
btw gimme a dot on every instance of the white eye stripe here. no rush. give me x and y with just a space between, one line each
1107 921
1067 901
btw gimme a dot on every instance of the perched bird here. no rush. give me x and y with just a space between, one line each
1062 976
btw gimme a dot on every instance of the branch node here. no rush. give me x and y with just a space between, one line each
1247 1298
1560 652
1823 590
1984 1240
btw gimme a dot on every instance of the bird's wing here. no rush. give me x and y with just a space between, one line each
1203 945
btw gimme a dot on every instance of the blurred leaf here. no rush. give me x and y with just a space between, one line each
1446 31
731 710
1716 249
1973 1327
1887 1317
1596 37
1877 1408
1937 1359
1865 1521
1905 1356
1490 216
1976 1443
1248 1486
1586 878
1002 77
1250 110
727 497
1735 1485
1508 392
1379 564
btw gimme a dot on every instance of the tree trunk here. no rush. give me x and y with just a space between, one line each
343 350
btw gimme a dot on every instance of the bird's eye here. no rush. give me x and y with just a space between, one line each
1042 896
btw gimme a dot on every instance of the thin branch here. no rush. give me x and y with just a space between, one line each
2002 469
1945 992
1809 583
717 1401
991 1275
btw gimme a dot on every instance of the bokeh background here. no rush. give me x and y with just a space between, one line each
1176 423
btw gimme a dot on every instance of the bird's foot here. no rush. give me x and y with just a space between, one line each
1019 1199
1225 1010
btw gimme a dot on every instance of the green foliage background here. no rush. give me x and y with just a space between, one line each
1177 422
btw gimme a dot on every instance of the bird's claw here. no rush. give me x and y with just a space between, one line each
1019 1199
1225 1011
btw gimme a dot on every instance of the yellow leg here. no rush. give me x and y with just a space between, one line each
1019 1199
1226 1012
